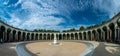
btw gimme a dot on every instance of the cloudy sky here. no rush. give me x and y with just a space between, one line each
57 14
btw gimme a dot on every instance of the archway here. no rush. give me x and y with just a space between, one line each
19 35
105 30
32 36
14 35
94 35
112 32
8 35
72 36
76 36
2 34
89 35
64 36
40 38
99 37
60 36
36 36
28 36
84 36
67 38
23 36
80 36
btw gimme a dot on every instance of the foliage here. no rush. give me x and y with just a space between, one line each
82 28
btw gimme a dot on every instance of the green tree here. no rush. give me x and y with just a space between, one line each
81 28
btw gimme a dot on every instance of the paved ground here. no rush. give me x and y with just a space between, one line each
8 49
101 50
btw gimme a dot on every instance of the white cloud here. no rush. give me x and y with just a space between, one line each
44 23
14 21
36 15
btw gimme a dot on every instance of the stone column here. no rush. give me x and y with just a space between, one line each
25 37
38 36
5 35
110 33
107 33
86 35
21 36
82 35
16 36
46 37
91 35
102 34
58 36
54 35
29 37
97 35
62 36
115 31
42 36
78 36
119 34
50 36
74 35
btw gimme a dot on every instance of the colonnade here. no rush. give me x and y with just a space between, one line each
109 32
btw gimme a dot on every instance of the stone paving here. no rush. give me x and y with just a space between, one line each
8 49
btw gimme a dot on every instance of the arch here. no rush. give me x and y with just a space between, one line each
28 36
112 32
8 35
94 35
19 35
44 36
14 35
68 36
118 23
60 36
32 36
52 36
80 36
36 36
48 36
76 36
105 30
89 35
64 36
40 37
2 33
85 37
99 37
23 36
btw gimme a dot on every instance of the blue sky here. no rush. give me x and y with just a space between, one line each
57 14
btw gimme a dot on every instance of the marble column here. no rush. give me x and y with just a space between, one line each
5 35
97 35
86 35
91 35
46 36
102 34
50 36
78 36
82 36
108 33
115 31
74 35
